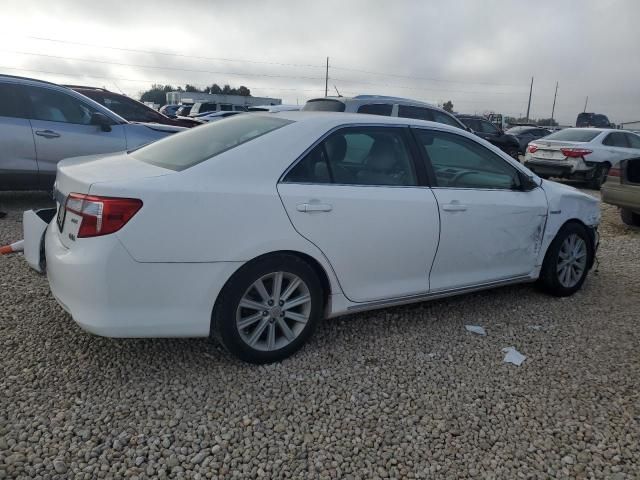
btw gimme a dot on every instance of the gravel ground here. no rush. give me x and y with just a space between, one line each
397 393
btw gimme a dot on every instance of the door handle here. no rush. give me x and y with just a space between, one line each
454 207
47 133
314 207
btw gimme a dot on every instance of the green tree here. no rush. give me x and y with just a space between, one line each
244 91
191 88
215 88
156 94
448 106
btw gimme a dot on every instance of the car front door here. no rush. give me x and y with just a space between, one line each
358 195
18 166
492 222
62 129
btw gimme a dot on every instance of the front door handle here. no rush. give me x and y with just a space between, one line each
454 207
314 207
47 133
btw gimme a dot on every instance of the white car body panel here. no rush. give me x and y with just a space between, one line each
161 274
394 225
496 237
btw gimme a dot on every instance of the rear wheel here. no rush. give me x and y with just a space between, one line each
268 309
567 261
599 176
629 218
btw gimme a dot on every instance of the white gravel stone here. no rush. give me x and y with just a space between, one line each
395 393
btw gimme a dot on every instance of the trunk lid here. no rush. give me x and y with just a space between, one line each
77 175
551 149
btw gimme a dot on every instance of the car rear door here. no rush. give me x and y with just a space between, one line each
18 165
358 195
617 146
491 226
61 129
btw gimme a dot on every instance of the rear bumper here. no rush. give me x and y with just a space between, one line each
621 195
575 169
110 294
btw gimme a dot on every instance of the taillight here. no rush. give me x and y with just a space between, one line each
101 215
532 148
575 152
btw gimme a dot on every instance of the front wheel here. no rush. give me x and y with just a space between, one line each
567 261
629 218
268 309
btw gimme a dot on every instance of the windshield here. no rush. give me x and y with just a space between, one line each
324 105
183 150
573 135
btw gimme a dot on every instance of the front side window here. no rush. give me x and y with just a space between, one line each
358 156
224 107
633 140
459 162
488 127
419 113
129 109
179 152
444 118
616 139
376 109
12 103
53 106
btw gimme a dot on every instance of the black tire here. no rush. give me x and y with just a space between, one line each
629 218
223 321
549 280
599 176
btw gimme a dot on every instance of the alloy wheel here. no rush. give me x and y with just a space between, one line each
572 261
273 311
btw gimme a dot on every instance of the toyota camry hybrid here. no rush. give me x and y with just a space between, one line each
254 228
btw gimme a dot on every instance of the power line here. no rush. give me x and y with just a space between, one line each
296 65
140 80
199 57
428 79
162 68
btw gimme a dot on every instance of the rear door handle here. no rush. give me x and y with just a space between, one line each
454 207
47 133
314 207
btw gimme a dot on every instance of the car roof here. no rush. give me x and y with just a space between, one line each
335 119
592 129
361 99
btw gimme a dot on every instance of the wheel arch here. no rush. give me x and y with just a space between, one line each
305 257
577 221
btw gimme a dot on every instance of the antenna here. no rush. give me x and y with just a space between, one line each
337 91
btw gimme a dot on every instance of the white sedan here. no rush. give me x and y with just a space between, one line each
253 229
581 153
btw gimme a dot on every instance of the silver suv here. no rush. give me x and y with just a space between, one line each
41 123
382 105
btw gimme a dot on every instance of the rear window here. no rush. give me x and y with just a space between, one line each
376 109
186 149
324 105
573 135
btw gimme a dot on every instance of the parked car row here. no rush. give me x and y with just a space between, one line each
42 123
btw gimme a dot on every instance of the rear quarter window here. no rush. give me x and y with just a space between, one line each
186 149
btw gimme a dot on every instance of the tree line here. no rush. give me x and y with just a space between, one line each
158 92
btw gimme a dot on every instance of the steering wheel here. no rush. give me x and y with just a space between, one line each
454 181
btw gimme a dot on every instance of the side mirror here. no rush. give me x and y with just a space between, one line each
101 120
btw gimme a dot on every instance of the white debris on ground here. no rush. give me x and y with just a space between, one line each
477 329
513 356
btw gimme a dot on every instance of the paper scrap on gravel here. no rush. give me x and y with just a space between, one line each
477 329
513 356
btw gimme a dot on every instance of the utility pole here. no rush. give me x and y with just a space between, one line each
529 104
585 104
326 79
553 109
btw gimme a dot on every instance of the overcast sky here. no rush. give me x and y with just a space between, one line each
479 54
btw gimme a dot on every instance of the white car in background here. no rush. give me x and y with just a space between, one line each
253 229
581 153
214 116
